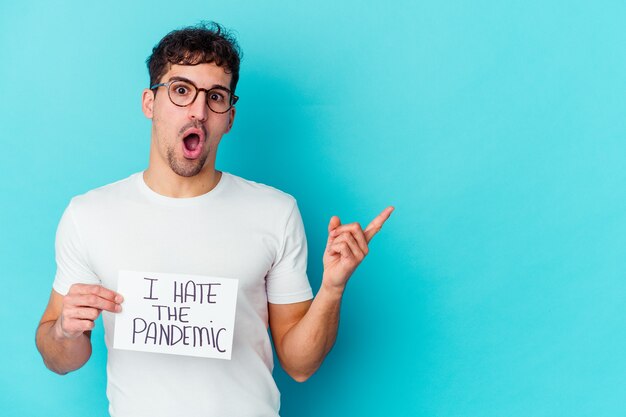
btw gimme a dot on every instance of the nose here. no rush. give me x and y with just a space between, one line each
199 110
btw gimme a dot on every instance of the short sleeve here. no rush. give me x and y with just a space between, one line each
71 256
287 281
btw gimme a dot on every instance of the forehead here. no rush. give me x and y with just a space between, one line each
203 75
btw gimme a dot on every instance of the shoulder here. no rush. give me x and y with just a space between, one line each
259 194
102 197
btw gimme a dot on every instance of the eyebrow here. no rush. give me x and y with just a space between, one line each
178 78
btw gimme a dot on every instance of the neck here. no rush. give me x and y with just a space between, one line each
170 184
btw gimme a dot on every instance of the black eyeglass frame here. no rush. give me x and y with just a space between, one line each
233 98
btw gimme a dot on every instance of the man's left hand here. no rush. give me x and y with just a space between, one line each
347 247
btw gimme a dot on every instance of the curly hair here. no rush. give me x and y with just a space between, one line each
205 42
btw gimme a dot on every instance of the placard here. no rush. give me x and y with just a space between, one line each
180 314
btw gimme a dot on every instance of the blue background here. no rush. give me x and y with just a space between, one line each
496 128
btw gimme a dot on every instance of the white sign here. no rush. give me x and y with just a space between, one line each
180 314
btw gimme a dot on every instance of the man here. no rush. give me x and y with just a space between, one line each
182 216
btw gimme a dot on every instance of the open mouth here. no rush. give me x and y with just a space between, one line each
193 141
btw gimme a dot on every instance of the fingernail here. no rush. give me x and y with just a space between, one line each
118 308
119 298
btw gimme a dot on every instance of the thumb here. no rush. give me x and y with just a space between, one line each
334 223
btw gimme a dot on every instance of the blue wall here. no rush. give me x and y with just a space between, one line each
496 128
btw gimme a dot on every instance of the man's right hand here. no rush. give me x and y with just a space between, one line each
81 307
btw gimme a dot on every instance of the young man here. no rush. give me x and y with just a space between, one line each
183 216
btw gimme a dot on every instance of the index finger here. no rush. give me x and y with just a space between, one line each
98 290
377 224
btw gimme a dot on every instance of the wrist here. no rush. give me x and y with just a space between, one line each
335 291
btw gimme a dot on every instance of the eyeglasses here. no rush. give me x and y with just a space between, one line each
184 92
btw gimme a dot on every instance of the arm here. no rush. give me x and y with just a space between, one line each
64 332
305 332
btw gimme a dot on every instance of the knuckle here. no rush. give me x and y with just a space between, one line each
92 300
93 314
67 313
68 326
63 322
68 300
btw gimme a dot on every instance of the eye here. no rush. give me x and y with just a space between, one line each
181 89
216 96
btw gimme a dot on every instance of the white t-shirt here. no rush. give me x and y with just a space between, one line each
240 229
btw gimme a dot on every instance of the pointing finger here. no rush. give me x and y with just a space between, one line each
377 224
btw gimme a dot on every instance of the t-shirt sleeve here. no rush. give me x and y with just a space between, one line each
287 281
71 256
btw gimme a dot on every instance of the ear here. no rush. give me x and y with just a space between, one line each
147 103
231 118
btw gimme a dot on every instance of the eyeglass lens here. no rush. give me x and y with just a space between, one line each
183 94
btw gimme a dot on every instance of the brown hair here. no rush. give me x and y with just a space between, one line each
205 42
